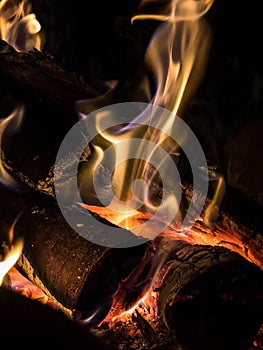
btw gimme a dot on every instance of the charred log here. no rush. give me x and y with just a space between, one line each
209 296
204 294
48 94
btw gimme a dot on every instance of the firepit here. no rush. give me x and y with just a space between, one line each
131 192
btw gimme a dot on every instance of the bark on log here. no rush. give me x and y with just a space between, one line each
49 94
213 288
69 268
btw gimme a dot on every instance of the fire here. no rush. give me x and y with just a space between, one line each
177 56
14 250
10 259
7 125
17 282
19 27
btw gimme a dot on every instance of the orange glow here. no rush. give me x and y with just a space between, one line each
23 286
19 27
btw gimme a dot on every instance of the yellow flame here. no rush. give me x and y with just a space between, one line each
177 55
19 27
212 211
13 121
178 51
11 258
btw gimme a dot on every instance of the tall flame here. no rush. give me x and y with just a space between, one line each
19 27
177 55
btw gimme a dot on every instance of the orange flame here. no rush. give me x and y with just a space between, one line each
19 27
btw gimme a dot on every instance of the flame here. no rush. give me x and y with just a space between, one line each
178 51
13 122
19 27
14 251
10 259
177 55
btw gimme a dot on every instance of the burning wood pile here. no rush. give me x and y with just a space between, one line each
131 192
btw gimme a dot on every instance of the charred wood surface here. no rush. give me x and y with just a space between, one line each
48 94
204 295
36 75
210 293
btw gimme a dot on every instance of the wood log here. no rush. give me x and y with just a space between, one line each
209 293
202 293
48 94
67 267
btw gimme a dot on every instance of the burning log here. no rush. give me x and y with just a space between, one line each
210 294
66 266
216 227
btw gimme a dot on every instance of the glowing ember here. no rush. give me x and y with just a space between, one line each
18 26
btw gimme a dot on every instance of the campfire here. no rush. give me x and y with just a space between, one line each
130 176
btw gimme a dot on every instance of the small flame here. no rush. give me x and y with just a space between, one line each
13 122
14 251
10 259
19 27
